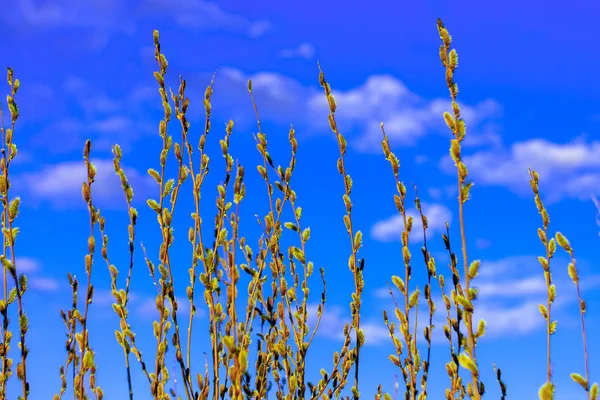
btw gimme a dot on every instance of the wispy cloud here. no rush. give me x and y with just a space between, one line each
43 284
332 321
381 98
375 332
145 307
94 113
60 184
32 267
482 243
27 265
65 14
532 285
140 305
303 50
280 99
105 297
95 20
104 133
503 320
206 15
391 229
517 318
40 97
334 318
94 101
105 17
439 193
597 204
407 117
509 293
567 170
508 266
421 159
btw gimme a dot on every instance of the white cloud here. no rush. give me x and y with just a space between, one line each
105 118
39 97
421 159
207 16
508 301
509 312
520 318
487 135
388 230
60 184
482 243
105 17
70 131
303 50
280 99
382 293
43 284
146 308
381 98
375 332
27 265
552 155
503 321
532 285
512 306
63 13
95 102
406 116
105 296
333 321
32 267
508 266
567 170
259 28
434 193
510 291
597 204
391 229
113 125
492 283
75 85
378 97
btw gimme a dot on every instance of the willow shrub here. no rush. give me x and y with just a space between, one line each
277 366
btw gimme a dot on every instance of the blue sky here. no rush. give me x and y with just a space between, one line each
528 77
